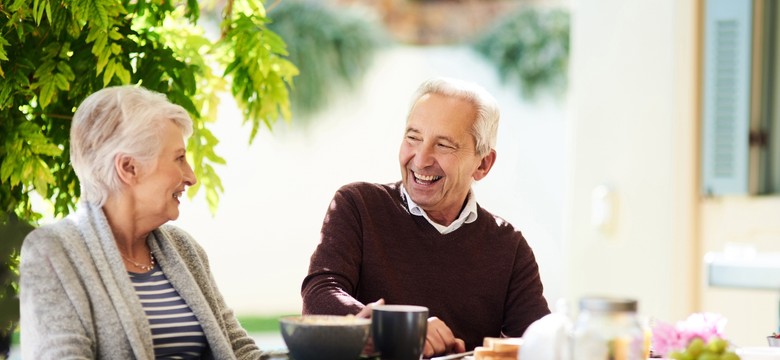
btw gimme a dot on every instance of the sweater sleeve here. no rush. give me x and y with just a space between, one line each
55 319
194 255
243 345
525 300
334 269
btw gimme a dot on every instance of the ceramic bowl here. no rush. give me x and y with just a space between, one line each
323 337
773 341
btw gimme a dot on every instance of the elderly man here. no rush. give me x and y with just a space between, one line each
425 240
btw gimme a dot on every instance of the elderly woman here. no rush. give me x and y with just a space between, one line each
111 281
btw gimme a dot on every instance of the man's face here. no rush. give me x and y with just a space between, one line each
438 155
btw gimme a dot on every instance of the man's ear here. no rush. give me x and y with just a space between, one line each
126 167
485 165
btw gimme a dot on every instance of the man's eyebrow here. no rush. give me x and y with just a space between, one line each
443 137
411 129
449 140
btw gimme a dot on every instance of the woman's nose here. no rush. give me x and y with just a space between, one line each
189 176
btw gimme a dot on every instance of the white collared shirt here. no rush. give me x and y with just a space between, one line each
467 215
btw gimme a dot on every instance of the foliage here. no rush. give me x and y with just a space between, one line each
530 46
54 53
13 231
330 47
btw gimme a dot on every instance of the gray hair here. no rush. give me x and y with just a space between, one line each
118 120
485 127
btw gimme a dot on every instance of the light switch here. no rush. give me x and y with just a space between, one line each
602 208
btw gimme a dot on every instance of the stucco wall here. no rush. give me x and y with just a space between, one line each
748 222
631 129
634 125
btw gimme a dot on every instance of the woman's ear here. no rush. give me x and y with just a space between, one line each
126 167
485 165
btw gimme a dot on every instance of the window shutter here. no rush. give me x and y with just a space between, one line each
726 101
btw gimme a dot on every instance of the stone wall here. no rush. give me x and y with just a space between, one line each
434 22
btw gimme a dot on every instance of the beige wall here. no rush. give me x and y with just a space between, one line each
748 221
632 101
634 126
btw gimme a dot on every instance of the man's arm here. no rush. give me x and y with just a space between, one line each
334 269
525 300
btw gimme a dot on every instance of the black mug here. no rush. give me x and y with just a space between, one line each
399 331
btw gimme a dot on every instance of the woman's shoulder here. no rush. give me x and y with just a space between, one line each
180 239
53 236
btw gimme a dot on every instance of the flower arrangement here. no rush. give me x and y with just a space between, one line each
700 336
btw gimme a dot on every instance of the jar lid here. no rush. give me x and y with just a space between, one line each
601 303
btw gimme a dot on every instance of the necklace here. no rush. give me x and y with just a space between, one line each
141 266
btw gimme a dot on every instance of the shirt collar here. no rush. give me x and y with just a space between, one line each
467 215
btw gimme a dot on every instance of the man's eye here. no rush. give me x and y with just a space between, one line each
412 138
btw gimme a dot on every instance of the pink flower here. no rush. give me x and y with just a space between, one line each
703 325
668 338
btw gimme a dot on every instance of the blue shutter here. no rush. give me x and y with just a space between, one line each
726 101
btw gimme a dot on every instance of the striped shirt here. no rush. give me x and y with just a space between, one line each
176 332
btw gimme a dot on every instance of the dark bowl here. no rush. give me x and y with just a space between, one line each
324 337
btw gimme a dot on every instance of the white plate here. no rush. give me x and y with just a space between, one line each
759 353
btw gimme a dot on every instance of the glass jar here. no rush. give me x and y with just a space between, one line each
608 329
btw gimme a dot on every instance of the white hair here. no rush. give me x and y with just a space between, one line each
118 120
485 127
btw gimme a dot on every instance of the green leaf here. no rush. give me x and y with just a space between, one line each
45 69
116 49
61 82
115 35
66 71
48 10
42 178
98 13
123 74
38 10
93 35
27 170
109 73
48 91
7 168
3 44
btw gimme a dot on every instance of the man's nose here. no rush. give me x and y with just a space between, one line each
424 156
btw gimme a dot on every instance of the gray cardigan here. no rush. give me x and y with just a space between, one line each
77 301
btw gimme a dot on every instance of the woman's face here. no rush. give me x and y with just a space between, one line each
162 183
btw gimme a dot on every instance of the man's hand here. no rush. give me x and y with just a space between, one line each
440 340
368 349
366 311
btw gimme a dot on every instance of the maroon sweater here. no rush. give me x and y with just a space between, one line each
481 280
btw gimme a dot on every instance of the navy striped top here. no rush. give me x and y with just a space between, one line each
176 332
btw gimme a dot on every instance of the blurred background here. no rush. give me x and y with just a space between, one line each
638 142
605 150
